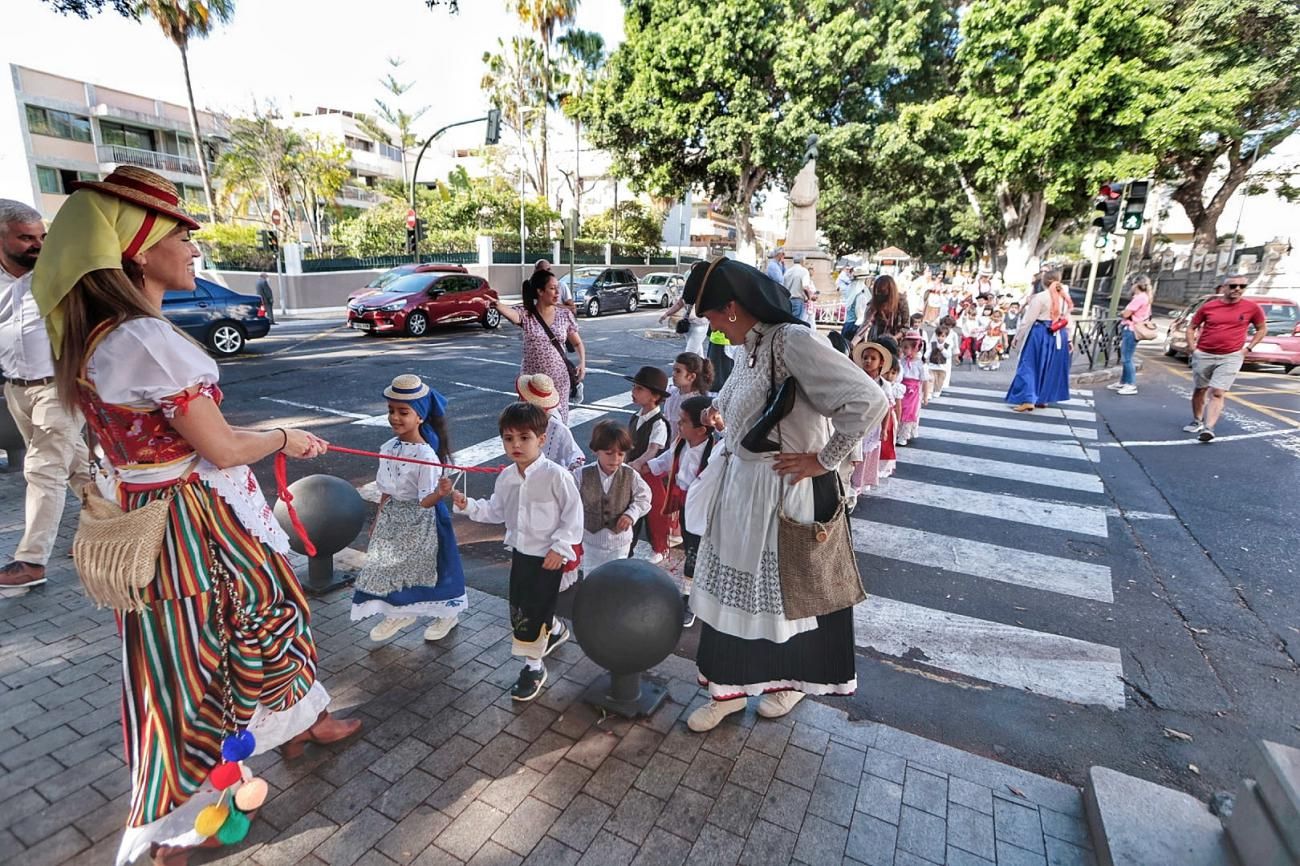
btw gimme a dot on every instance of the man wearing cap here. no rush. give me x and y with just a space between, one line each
776 265
798 282
56 453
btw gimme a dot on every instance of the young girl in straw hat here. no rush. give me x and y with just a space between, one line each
560 447
413 566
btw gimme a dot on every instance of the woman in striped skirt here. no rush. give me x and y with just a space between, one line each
223 589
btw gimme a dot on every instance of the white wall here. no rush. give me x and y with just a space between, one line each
15 173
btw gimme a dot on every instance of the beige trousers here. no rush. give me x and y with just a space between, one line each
57 458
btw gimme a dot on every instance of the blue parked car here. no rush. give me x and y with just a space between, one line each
218 318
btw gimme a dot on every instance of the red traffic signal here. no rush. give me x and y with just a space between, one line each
1112 190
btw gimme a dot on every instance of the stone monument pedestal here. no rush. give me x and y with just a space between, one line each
801 235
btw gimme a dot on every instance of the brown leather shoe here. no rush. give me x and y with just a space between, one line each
21 574
326 729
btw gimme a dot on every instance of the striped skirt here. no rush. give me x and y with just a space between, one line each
171 653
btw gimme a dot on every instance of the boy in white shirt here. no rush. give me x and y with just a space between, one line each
538 502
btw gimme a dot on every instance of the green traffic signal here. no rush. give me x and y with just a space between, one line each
1132 221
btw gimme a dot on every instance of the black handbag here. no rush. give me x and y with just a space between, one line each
683 325
779 403
574 384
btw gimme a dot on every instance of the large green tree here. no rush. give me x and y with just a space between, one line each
393 124
722 95
1234 70
182 21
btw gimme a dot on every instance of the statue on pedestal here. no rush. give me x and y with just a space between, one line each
801 234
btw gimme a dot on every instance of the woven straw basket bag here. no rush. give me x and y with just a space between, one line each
117 551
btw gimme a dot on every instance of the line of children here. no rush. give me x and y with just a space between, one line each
539 504
679 467
413 566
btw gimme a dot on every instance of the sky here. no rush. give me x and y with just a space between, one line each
297 54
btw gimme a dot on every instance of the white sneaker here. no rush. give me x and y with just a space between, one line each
389 627
674 540
1114 386
441 627
656 558
1194 427
775 705
1127 389
707 717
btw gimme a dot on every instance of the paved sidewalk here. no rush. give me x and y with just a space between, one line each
450 770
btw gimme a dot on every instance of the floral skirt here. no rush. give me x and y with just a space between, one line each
413 565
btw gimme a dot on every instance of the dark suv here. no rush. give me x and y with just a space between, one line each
603 290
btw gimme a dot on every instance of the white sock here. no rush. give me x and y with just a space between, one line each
533 664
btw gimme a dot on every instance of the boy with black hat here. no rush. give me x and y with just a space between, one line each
649 431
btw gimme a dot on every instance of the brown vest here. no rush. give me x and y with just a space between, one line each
601 510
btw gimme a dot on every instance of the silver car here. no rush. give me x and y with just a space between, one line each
661 288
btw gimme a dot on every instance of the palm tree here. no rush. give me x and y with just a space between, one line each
514 80
181 21
544 17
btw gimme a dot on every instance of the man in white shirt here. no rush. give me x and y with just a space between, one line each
798 282
56 453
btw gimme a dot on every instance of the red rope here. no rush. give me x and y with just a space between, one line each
282 490
491 470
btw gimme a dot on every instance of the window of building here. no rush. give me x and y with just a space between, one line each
58 181
178 144
126 136
60 124
358 143
48 178
387 151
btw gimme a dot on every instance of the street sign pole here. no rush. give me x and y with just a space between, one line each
1121 267
1092 274
279 269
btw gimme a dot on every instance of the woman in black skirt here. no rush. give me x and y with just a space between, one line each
747 645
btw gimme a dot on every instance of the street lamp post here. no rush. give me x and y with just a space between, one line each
415 172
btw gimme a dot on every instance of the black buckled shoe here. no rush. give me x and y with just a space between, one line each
529 685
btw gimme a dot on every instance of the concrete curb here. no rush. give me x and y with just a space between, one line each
1103 376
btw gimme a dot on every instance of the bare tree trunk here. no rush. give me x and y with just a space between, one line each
1023 215
198 137
1204 216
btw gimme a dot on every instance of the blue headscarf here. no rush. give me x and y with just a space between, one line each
431 405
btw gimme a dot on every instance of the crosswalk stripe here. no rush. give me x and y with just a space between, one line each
1089 520
1072 414
1050 428
1006 443
1080 398
1040 662
983 560
1081 481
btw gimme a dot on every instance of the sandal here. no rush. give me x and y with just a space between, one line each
324 731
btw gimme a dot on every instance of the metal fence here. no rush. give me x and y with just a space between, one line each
361 263
1098 339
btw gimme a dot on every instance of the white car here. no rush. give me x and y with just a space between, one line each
661 288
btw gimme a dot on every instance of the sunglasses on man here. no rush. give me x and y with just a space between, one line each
1234 286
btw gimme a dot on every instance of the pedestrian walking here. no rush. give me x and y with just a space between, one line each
56 456
268 299
1218 339
855 304
1134 315
550 332
886 313
695 328
560 446
776 265
198 669
614 498
798 283
413 568
1043 370
943 348
771 465
538 502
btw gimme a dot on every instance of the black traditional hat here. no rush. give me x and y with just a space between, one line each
711 286
651 377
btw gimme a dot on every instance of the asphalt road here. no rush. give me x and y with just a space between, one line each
1056 590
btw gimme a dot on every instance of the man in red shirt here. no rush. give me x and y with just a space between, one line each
1217 336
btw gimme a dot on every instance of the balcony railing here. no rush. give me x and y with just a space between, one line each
353 193
116 153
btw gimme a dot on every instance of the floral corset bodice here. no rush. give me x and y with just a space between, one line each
140 437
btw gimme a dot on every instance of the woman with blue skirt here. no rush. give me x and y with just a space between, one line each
1043 372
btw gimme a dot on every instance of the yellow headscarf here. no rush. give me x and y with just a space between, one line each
90 232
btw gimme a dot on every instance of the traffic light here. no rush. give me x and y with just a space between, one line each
1108 203
493 126
1135 204
267 240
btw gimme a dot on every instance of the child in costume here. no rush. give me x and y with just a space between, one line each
614 498
915 376
539 389
991 343
679 468
894 392
943 348
538 502
412 531
692 376
874 358
649 431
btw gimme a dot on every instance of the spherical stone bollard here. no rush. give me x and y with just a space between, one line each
627 616
11 441
333 513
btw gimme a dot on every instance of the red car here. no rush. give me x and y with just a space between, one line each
416 302
382 281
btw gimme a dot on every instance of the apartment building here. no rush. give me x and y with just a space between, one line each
60 130
369 161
